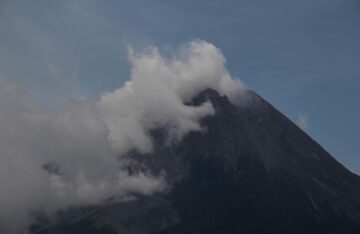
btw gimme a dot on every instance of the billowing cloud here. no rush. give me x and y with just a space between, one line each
53 158
155 95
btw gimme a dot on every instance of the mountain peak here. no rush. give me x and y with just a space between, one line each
212 96
206 94
250 171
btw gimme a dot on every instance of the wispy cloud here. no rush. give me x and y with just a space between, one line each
303 121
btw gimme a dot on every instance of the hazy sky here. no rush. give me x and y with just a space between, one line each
302 56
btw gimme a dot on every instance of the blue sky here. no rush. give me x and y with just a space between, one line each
302 56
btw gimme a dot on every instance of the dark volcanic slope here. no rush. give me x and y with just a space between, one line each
252 171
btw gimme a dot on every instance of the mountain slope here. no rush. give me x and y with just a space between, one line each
251 171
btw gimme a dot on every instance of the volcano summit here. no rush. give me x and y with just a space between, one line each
250 171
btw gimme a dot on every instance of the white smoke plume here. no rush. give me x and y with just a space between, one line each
79 144
303 121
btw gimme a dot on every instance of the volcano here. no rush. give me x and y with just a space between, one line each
250 171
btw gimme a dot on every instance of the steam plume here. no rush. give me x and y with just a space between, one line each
51 160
